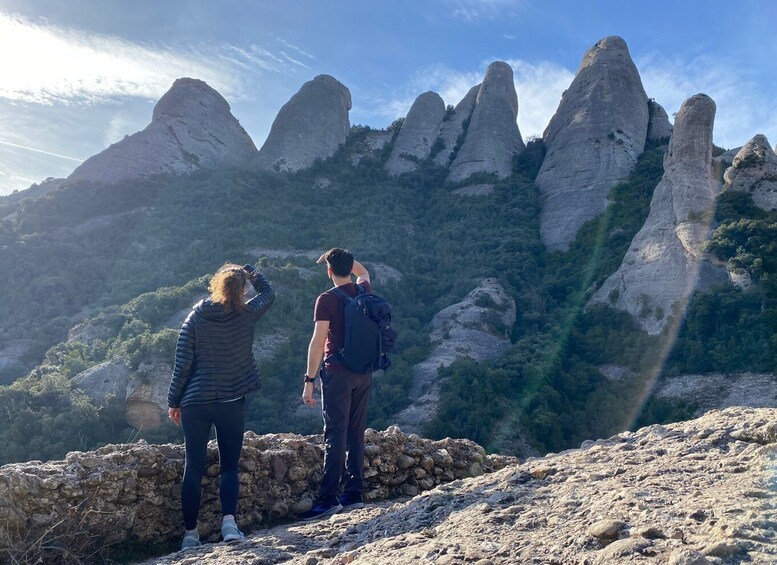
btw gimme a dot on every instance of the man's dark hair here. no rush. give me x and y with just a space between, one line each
340 261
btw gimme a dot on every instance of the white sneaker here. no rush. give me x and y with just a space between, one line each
229 532
190 540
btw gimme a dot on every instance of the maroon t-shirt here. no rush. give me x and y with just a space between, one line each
330 307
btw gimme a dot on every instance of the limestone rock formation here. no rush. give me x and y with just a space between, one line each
722 162
754 170
311 125
477 328
417 135
191 128
132 492
492 138
659 126
146 401
12 354
697 492
664 263
454 127
592 141
142 393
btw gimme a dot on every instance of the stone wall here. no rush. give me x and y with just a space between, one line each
131 492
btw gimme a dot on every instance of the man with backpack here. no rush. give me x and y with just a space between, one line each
339 339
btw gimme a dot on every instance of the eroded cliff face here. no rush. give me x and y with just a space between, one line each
476 328
592 141
417 135
492 138
690 493
312 125
455 126
664 265
754 170
192 128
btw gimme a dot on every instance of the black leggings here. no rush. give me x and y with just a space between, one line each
197 419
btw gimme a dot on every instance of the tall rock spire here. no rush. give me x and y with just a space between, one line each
191 128
311 125
592 141
492 138
664 264
418 133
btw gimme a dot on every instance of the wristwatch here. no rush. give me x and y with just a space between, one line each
309 379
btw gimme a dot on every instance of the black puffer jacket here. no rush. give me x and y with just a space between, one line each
214 360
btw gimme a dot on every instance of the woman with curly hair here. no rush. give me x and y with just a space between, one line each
214 370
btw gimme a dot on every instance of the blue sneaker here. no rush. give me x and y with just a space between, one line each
350 500
322 508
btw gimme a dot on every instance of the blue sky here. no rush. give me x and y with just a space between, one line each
76 76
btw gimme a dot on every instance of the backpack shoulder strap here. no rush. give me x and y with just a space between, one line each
340 293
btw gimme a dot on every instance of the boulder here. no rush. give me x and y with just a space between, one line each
663 265
12 355
455 126
659 126
146 404
754 170
191 128
105 381
477 328
417 135
492 138
312 125
592 141
142 393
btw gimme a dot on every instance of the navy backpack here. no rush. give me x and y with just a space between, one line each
368 332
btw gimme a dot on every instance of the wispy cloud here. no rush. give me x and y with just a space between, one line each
539 86
474 10
294 61
295 48
57 65
743 110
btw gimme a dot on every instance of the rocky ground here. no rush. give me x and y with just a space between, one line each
690 493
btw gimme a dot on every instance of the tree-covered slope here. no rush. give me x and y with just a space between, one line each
116 266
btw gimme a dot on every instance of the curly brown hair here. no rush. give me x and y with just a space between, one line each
227 286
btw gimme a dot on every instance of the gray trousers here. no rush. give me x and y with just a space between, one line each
345 397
